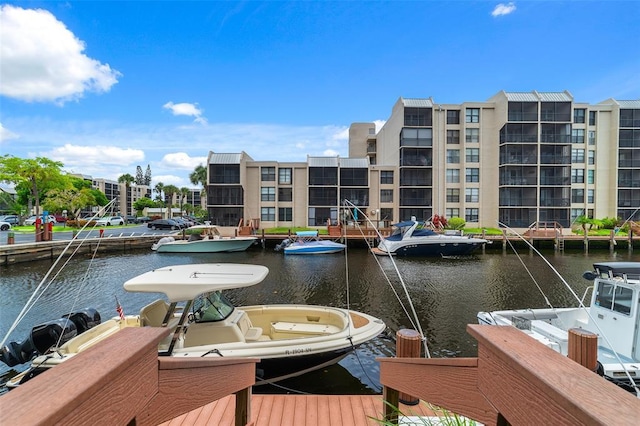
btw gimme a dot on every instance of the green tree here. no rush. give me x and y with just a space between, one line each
127 179
147 176
32 175
139 176
71 199
169 191
184 193
159 188
199 177
143 203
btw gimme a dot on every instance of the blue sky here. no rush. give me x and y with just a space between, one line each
106 86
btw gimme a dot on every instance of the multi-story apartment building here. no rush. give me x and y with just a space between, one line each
516 159
124 195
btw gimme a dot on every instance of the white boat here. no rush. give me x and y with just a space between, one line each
204 239
309 242
289 339
613 312
413 238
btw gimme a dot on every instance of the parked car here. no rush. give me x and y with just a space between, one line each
163 224
110 220
131 219
31 220
12 219
181 222
143 219
5 226
60 218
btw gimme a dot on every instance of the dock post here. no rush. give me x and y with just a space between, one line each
612 240
630 246
504 240
583 348
408 346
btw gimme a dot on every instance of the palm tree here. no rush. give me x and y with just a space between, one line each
159 188
169 190
127 179
184 193
199 177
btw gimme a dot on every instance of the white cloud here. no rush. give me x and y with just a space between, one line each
42 61
379 124
6 134
187 109
503 9
170 180
182 160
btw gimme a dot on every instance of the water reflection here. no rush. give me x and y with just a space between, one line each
446 294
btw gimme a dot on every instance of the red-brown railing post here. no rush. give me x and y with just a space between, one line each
583 348
408 346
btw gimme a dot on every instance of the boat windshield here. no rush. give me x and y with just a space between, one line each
211 307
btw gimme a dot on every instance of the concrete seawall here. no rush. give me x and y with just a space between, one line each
50 250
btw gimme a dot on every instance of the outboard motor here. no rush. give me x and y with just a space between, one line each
45 336
42 338
84 319
283 244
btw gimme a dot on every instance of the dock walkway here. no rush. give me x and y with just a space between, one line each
298 410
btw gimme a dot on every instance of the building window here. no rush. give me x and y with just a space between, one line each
472 115
472 175
453 116
453 136
386 177
285 214
452 212
453 156
453 176
578 115
590 196
471 215
354 177
577 196
472 135
386 195
323 176
577 175
268 174
284 176
417 116
591 176
592 118
224 173
592 137
577 136
591 156
268 214
453 195
472 195
577 155
285 194
472 155
267 193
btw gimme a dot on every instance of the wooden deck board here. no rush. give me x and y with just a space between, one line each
298 410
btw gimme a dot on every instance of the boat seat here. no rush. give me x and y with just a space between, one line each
153 314
253 334
303 328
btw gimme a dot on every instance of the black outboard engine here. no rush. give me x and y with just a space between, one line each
40 340
84 319
45 336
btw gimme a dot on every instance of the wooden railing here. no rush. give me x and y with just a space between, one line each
123 381
513 380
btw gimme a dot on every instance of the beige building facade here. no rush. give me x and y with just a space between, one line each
518 159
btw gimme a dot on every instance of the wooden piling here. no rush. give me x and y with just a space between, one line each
583 348
408 346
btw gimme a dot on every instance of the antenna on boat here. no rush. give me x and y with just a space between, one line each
412 318
580 302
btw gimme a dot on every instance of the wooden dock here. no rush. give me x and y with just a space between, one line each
298 410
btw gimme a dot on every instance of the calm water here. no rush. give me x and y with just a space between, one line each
446 294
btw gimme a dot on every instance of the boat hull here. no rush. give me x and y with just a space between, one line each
319 247
430 249
207 246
